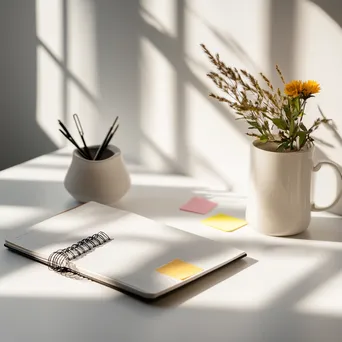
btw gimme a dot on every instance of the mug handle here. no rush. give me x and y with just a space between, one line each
317 168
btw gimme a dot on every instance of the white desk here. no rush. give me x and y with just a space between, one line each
287 289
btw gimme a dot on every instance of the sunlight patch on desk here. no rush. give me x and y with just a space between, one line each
273 279
325 300
40 282
51 160
37 174
14 216
165 180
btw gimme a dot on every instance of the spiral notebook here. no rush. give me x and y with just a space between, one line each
121 249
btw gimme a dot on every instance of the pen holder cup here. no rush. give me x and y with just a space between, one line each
104 181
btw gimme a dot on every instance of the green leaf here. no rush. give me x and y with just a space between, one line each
302 138
293 128
302 126
253 123
282 146
263 139
296 104
287 111
280 123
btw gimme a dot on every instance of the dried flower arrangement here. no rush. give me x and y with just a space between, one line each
275 116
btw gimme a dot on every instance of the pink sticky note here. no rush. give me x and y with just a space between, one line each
198 205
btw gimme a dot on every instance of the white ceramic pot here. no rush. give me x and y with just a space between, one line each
104 181
279 201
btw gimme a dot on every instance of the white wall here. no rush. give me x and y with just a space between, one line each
21 138
141 60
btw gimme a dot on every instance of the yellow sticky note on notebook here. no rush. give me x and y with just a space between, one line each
179 269
224 222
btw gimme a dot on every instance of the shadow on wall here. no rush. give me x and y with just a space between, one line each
332 8
171 48
120 65
20 135
118 58
282 38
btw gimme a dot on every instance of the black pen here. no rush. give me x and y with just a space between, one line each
74 143
71 139
106 138
108 141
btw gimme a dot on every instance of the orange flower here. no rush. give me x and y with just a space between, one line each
299 88
294 88
310 87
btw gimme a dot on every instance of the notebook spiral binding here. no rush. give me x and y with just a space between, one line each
60 260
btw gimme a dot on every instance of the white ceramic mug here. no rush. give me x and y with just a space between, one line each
104 181
279 200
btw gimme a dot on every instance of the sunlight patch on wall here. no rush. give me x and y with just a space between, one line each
49 95
67 81
87 110
218 150
237 30
319 46
320 59
81 47
49 23
160 14
83 86
158 121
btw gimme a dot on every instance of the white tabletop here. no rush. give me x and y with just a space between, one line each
287 289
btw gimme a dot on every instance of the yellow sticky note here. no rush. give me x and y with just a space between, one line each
179 269
224 222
